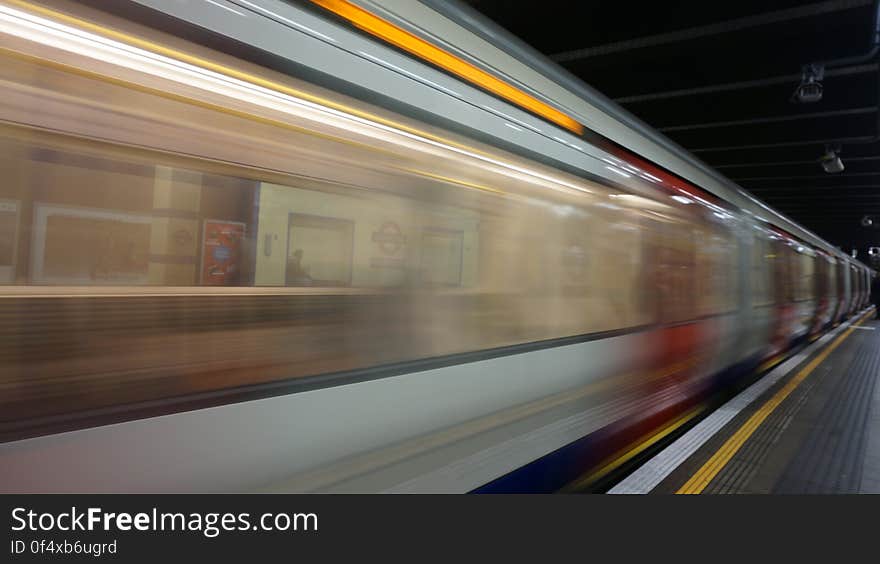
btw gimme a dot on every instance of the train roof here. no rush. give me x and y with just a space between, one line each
307 38
470 34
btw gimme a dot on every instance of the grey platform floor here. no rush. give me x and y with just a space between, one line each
824 438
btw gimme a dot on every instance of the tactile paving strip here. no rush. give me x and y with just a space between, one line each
833 454
775 434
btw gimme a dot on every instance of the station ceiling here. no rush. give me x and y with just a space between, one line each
718 78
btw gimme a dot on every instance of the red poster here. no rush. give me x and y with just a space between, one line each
221 252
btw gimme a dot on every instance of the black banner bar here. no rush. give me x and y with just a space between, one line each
237 528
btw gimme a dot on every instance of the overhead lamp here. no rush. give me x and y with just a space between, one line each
830 160
809 90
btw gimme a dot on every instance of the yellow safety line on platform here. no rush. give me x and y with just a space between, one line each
629 452
698 482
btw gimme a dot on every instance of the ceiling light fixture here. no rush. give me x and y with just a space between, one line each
810 89
830 160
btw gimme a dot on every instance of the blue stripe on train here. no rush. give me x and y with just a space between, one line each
554 471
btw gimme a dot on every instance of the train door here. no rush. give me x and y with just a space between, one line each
840 275
763 319
847 284
669 262
834 296
857 290
805 297
854 290
719 301
748 340
831 275
783 321
820 292
862 285
860 302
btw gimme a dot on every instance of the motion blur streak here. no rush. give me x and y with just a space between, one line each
415 310
211 77
105 215
396 36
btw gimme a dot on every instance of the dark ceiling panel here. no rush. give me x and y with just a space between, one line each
788 153
552 26
810 167
840 93
838 127
712 60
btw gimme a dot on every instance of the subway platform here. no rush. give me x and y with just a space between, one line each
810 426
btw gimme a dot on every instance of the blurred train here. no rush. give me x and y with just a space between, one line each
334 246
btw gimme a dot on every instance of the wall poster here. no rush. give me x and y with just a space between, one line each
75 245
222 243
8 239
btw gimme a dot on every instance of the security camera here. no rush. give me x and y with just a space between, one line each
810 89
830 161
808 92
868 221
831 164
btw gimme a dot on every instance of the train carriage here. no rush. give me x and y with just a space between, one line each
309 246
